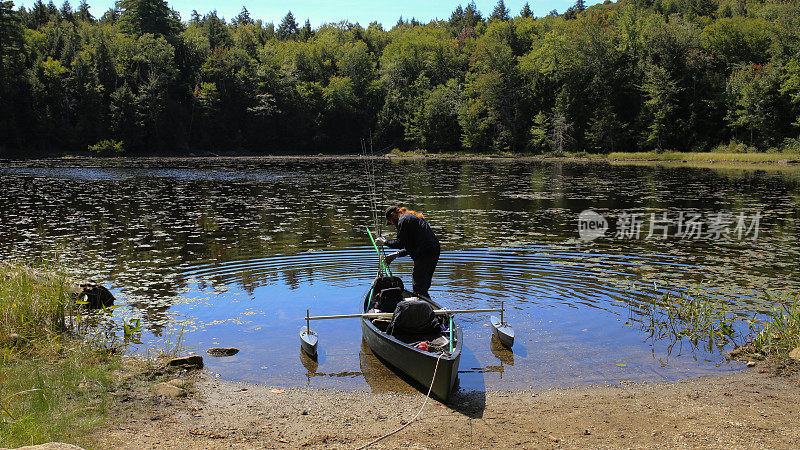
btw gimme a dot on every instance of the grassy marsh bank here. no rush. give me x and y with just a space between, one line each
770 158
704 159
56 383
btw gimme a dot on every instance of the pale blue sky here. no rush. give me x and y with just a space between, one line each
319 11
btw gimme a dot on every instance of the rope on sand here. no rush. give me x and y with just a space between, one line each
375 441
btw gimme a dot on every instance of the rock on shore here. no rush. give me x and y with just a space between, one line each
187 362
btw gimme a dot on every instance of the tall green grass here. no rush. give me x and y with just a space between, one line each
54 384
34 305
60 394
781 333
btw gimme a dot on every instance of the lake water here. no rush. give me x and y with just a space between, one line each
233 252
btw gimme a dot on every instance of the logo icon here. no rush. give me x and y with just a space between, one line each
591 225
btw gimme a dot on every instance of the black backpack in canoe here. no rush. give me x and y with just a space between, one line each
387 282
388 299
388 293
414 318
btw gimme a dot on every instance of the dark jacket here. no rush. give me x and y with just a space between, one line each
414 236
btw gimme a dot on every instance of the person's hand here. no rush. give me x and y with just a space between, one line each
389 258
381 240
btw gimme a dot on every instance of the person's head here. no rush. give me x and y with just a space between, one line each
394 213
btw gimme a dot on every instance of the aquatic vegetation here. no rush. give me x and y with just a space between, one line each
781 333
696 316
705 321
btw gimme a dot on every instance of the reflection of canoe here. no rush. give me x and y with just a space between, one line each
417 364
378 376
311 365
501 352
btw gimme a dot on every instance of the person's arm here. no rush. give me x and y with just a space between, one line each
394 243
391 257
398 243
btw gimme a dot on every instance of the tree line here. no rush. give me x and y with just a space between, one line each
627 76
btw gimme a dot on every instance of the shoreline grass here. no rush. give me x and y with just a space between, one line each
788 157
781 333
703 157
55 385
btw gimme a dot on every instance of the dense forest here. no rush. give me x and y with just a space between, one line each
627 76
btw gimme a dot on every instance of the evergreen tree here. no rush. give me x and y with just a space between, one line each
526 11
52 10
216 31
147 16
457 18
13 128
110 17
83 12
10 35
104 68
501 12
471 15
306 32
25 17
580 6
39 15
243 18
288 27
66 11
195 18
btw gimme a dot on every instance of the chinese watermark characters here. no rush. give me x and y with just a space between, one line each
664 225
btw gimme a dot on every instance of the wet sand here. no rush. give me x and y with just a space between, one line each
749 409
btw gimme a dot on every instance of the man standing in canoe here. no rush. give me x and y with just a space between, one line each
415 238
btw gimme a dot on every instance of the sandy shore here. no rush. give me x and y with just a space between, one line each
748 409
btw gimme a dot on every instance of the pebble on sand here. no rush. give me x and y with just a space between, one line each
51 446
168 390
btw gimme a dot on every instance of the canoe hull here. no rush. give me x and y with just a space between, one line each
502 331
416 364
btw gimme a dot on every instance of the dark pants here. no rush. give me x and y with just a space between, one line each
424 266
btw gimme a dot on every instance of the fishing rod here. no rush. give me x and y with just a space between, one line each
372 193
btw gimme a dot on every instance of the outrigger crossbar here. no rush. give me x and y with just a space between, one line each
438 312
